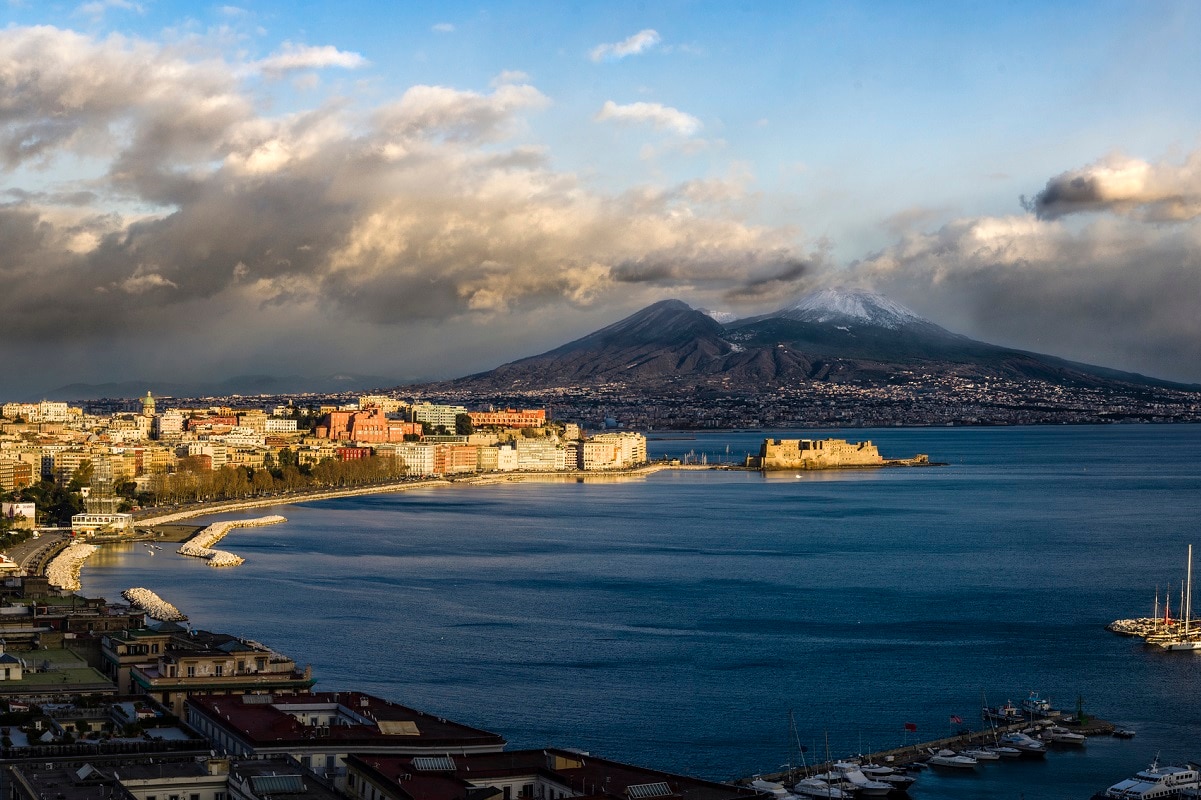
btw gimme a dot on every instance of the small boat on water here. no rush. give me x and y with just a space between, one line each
1004 752
981 754
860 783
1057 734
1038 707
770 787
1123 733
1028 745
816 787
949 758
1153 783
879 772
1007 714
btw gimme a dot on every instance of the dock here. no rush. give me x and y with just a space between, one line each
920 751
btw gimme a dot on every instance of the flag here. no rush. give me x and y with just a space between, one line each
958 720
911 727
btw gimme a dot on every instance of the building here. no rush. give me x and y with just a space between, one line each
549 774
168 663
509 418
437 416
321 729
612 451
105 524
371 426
15 474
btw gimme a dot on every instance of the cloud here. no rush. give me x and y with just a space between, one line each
429 212
1117 292
661 117
638 43
1155 192
99 7
443 27
291 57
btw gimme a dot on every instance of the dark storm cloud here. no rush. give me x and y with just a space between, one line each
1155 192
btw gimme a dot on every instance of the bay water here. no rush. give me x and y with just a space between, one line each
676 620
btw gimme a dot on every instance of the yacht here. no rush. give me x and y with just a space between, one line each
1027 744
816 787
1155 782
859 782
981 754
1004 752
878 772
772 788
1057 734
1036 706
949 758
1006 714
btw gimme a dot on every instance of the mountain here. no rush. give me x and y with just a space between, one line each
238 385
834 335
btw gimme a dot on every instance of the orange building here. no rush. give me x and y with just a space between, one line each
369 427
509 418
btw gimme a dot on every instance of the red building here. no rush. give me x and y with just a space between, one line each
368 427
509 418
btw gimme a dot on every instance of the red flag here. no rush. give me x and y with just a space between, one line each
958 720
911 727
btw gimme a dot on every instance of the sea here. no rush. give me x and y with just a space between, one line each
728 623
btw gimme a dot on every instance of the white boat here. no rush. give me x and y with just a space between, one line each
1057 734
816 787
1027 744
1036 706
770 787
880 772
981 754
861 783
949 758
1155 782
1185 640
1006 714
1004 752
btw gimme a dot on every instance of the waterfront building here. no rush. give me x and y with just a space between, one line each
814 454
168 663
321 729
420 458
612 451
104 524
542 455
550 774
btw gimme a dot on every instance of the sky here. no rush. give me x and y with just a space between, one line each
193 191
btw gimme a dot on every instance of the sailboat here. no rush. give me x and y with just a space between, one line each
1186 641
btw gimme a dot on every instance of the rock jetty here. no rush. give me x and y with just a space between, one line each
154 606
63 571
199 545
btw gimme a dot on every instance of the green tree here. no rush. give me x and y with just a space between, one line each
463 426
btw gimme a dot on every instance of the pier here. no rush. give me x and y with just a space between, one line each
920 751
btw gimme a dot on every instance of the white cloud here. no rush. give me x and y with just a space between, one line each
638 43
97 8
661 117
292 57
443 27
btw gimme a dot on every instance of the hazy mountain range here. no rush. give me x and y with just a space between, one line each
238 385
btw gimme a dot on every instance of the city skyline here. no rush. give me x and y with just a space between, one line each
197 191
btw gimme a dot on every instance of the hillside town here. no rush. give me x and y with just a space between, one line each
67 466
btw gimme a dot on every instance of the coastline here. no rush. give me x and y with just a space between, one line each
226 506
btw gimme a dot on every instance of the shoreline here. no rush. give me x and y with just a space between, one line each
227 506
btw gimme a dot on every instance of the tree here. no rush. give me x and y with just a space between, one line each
463 426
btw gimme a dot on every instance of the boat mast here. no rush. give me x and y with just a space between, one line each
1188 602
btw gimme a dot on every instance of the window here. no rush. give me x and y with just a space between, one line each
220 670
154 648
508 793
191 671
219 796
527 790
193 797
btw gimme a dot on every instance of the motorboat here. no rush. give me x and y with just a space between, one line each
1123 733
1057 734
1155 782
1028 745
879 772
1006 714
949 758
816 787
981 754
1036 706
772 788
1004 752
859 782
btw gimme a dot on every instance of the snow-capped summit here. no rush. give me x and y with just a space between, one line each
720 316
851 306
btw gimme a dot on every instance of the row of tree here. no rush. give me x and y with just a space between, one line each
191 483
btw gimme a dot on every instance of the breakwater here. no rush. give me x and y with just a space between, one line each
63 571
199 545
155 606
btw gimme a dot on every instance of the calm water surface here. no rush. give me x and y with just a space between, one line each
674 621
